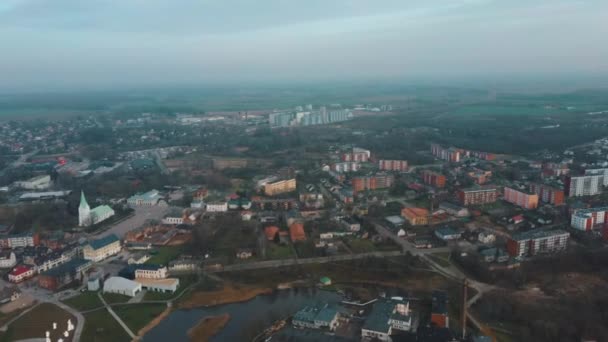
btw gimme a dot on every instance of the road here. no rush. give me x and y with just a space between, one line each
141 215
449 272
160 164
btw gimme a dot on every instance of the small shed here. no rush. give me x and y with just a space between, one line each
325 281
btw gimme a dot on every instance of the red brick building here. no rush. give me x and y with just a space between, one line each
378 181
548 194
433 178
439 309
392 165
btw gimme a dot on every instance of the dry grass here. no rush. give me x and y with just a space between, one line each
230 293
207 327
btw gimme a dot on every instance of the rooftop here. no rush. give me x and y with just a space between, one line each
100 243
538 234
382 312
68 267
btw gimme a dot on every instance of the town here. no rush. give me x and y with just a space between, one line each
105 218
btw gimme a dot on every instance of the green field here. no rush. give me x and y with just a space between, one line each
114 298
85 301
101 326
275 251
361 245
163 255
136 316
34 323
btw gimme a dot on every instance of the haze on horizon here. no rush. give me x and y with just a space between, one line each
70 44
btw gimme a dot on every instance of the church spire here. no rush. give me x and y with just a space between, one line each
83 200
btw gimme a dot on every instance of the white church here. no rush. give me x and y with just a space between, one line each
88 216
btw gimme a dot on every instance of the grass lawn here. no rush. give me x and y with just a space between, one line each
361 245
36 322
112 298
275 251
164 254
184 282
136 316
84 301
101 326
440 260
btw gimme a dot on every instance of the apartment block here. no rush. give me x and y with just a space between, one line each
586 219
393 165
548 194
586 185
433 178
537 242
477 195
373 182
521 198
280 187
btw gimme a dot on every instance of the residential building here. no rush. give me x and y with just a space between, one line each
63 275
138 258
280 187
216 207
21 273
88 216
439 309
346 195
548 194
20 240
173 220
480 177
392 165
121 286
447 154
587 219
521 198
166 285
433 178
183 265
587 185
100 249
150 198
386 316
415 216
454 209
555 169
447 233
9 294
599 172
271 232
477 195
536 242
343 167
41 182
7 259
372 182
150 271
356 155
313 317
350 224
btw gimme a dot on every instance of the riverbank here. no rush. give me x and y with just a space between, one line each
229 293
153 323
207 328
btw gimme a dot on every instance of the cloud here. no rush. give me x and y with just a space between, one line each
75 42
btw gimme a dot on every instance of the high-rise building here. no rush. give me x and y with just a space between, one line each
345 167
521 198
357 155
447 154
373 182
587 185
433 178
477 195
586 219
548 194
392 165
599 172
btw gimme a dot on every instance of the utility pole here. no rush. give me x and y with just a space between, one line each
465 286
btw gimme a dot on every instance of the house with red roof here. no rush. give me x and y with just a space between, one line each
20 273
271 232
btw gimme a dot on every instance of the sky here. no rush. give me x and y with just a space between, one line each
48 44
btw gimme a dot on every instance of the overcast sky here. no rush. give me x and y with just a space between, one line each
88 43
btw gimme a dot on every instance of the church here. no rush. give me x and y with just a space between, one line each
88 216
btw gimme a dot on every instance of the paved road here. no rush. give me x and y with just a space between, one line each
141 215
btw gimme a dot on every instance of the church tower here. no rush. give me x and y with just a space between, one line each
84 211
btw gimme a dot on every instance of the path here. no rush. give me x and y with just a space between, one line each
5 326
116 317
79 318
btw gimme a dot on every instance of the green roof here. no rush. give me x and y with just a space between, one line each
101 210
325 280
382 312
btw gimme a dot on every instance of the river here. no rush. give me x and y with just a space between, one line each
246 318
